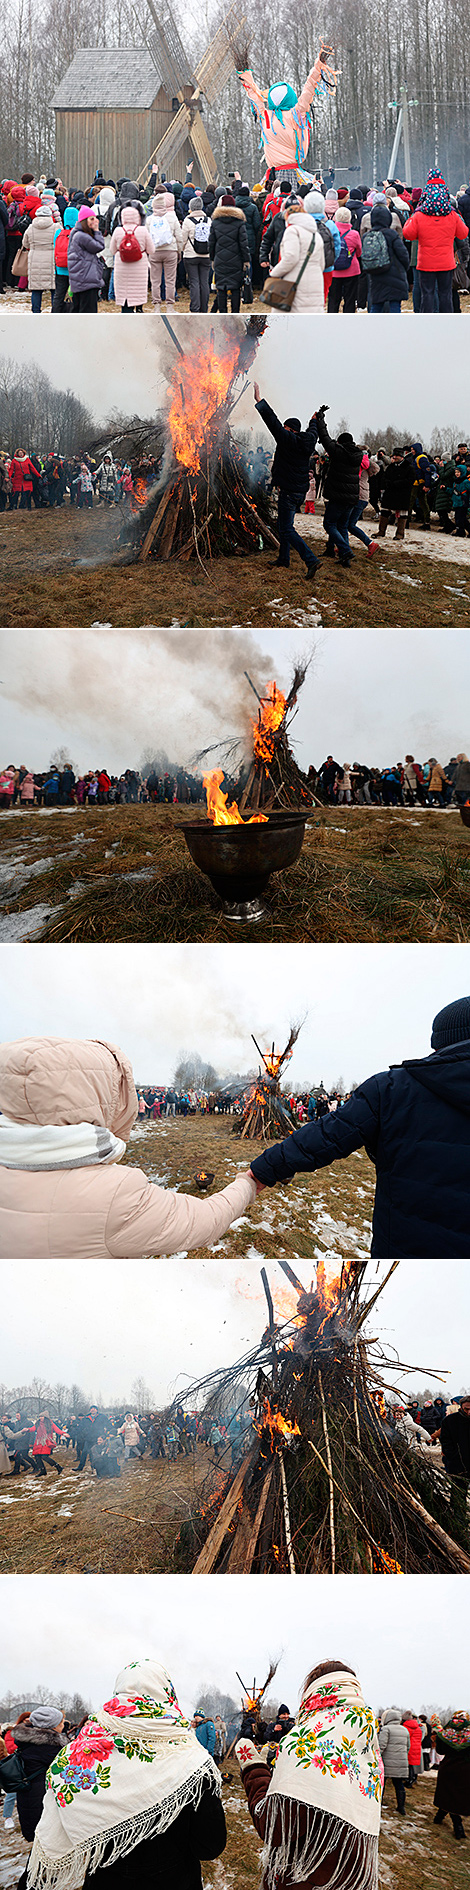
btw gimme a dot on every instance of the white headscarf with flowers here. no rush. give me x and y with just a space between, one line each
330 1763
125 1777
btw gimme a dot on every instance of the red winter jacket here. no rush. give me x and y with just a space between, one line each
416 1736
21 475
436 237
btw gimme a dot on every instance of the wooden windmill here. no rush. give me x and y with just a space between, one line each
208 80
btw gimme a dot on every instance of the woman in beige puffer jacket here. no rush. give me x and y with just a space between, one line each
67 1112
39 242
295 244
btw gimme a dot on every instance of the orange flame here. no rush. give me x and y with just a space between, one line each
331 1280
139 495
384 1564
270 715
281 1430
200 388
218 809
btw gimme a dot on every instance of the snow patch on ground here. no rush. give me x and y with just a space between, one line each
19 927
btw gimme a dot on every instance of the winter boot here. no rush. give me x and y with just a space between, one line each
401 527
458 1827
383 522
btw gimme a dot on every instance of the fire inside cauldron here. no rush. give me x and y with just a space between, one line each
239 857
203 1179
205 508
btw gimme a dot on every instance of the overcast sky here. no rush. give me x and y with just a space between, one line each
365 1006
406 1635
383 381
185 1318
112 695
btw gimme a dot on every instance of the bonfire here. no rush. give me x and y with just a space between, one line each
203 508
326 1485
265 1113
274 782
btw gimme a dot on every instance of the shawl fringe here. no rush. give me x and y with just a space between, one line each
293 1859
68 1872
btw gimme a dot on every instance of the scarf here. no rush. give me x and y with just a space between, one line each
456 1735
46 1147
435 201
330 1762
125 1777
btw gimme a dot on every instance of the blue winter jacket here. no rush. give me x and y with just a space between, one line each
414 1122
206 1734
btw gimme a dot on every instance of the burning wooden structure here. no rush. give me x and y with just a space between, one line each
204 509
265 1115
327 1485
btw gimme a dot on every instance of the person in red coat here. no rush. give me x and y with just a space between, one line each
414 1727
436 226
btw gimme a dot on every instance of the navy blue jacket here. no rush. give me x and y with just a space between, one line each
290 469
414 1122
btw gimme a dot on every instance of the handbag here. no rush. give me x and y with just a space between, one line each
281 294
19 265
13 1777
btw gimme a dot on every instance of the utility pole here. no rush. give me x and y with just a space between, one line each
401 105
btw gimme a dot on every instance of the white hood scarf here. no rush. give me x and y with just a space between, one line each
45 1147
125 1777
331 1763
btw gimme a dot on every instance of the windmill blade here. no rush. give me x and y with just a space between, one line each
218 61
167 50
167 150
199 142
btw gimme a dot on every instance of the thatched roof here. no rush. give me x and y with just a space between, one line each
118 78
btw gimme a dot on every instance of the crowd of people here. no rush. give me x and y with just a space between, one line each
106 1438
408 783
314 1781
363 248
45 482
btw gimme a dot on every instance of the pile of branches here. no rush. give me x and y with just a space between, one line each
278 782
209 514
265 1116
328 1486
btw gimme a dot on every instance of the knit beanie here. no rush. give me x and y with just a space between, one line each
196 203
343 216
331 202
452 1024
343 194
228 200
85 211
314 203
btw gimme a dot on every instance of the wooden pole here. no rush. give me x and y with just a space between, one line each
330 1476
285 1501
208 1555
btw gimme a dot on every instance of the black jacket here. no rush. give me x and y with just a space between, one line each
397 482
228 245
291 464
270 246
36 1751
170 1862
342 479
252 220
455 1444
414 1122
389 285
453 1781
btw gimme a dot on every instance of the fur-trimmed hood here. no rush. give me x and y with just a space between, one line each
227 210
37 1736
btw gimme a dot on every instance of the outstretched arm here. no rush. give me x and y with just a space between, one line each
329 1140
252 91
321 70
267 414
